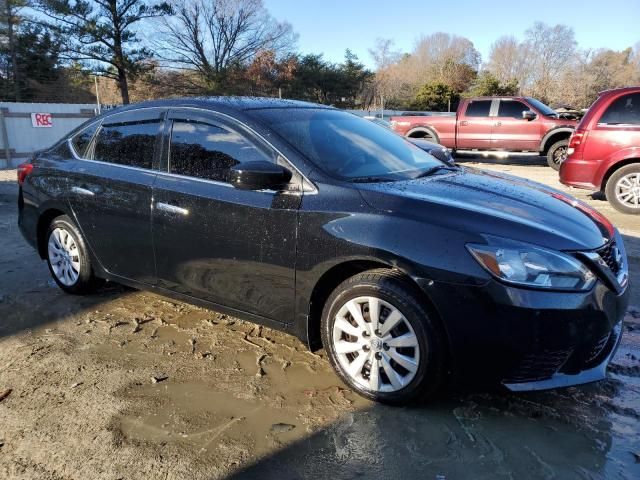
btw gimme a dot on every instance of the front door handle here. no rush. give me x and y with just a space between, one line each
463 123
167 207
497 124
82 191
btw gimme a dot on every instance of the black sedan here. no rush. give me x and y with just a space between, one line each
409 271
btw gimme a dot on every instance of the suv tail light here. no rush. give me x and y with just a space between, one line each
576 141
24 169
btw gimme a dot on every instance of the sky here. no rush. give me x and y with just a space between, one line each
331 26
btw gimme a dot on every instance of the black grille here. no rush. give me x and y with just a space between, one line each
597 348
538 366
608 254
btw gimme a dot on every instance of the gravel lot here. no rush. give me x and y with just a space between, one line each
130 385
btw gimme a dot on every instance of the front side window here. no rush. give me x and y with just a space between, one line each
208 151
346 146
478 108
81 140
511 108
128 143
623 111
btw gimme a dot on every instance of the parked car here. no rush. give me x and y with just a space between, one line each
604 151
435 149
409 271
518 125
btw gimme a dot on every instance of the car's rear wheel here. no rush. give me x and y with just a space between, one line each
67 257
623 189
381 340
557 154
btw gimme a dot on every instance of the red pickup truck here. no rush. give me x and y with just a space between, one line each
495 125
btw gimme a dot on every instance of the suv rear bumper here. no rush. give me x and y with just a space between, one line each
579 173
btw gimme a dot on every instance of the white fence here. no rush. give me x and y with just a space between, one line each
27 127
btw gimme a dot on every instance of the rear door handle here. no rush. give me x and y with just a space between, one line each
167 207
463 123
497 124
82 191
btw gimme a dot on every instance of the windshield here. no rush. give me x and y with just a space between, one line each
542 108
346 146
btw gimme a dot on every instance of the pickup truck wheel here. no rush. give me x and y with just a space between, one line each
380 339
623 189
557 154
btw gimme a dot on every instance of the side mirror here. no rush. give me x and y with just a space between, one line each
528 115
259 175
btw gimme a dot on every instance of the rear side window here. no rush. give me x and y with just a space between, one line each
209 151
131 143
625 110
82 139
478 108
513 109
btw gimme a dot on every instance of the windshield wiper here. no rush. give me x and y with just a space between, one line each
430 171
371 180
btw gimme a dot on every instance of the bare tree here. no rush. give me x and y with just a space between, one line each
552 50
508 61
384 56
211 36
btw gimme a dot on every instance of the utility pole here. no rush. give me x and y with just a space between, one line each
95 79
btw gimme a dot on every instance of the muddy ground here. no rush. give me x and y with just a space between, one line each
130 385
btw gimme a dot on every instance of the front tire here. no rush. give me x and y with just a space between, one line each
381 340
623 189
557 154
68 258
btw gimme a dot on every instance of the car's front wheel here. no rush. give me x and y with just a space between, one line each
67 257
381 340
623 189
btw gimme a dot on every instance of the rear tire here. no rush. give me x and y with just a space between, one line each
68 258
409 353
557 154
623 189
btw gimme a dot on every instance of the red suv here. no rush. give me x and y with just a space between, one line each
604 151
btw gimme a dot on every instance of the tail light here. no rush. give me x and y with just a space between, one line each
24 169
576 141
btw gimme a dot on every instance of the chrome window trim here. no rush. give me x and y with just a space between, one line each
268 143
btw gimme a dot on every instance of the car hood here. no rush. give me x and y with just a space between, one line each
482 202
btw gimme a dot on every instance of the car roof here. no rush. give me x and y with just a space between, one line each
226 104
614 91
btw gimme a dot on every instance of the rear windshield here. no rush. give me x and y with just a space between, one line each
346 146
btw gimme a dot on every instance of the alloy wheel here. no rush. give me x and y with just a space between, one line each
375 344
64 256
627 190
560 155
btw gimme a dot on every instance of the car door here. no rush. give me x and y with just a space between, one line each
212 241
110 192
475 125
511 131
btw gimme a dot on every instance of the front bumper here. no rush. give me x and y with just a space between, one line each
593 374
529 339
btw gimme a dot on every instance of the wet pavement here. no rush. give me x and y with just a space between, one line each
127 384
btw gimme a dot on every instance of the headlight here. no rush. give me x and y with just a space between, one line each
524 264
